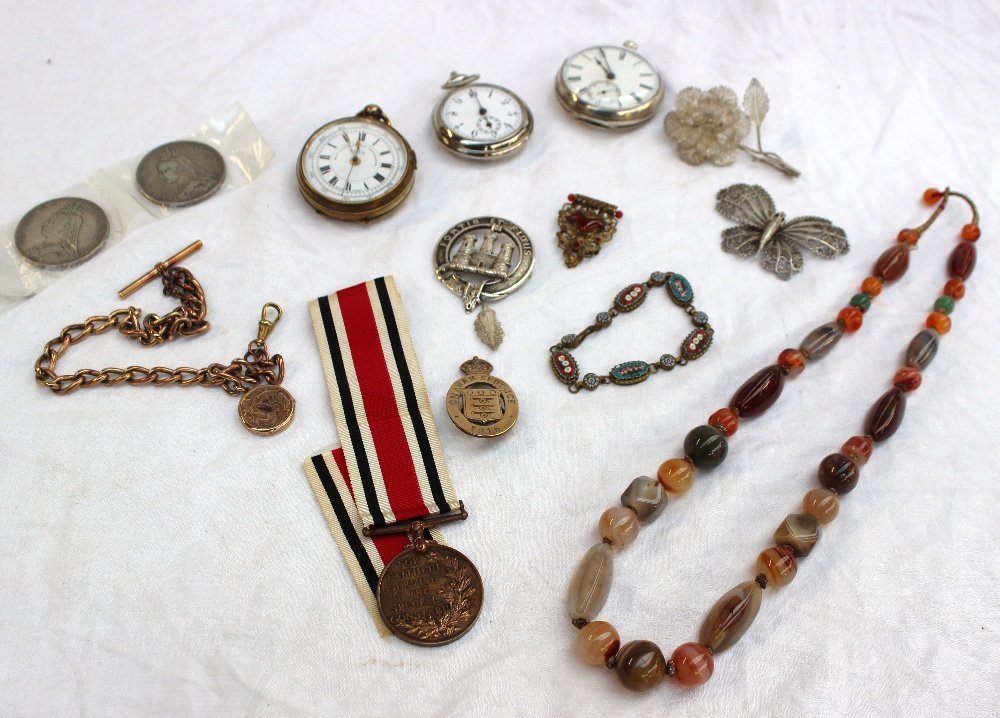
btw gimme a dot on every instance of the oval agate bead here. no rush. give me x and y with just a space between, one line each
645 497
759 392
706 446
920 353
821 340
640 665
597 642
886 415
893 263
730 617
591 583
962 260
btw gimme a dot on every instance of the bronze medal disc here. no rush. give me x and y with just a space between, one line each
481 404
180 173
267 409
430 594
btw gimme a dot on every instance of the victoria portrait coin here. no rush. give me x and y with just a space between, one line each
430 594
62 232
267 409
180 173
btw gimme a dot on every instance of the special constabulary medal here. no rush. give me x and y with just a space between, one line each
386 492
480 404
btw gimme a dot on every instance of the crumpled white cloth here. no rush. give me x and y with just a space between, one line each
158 560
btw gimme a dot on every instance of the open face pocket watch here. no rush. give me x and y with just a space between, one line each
479 120
609 86
356 168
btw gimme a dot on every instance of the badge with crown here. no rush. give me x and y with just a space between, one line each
483 260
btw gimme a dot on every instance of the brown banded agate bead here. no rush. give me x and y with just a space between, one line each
799 532
759 392
778 565
591 583
886 415
645 497
821 504
640 665
694 664
597 642
839 473
859 448
730 617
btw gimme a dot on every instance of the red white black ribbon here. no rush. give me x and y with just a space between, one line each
391 467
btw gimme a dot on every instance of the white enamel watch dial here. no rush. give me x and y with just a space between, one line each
356 167
480 120
609 86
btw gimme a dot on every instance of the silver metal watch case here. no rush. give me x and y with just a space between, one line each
472 148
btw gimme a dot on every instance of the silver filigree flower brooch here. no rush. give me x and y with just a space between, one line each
709 126
764 232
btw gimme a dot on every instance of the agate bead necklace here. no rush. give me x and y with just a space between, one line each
640 665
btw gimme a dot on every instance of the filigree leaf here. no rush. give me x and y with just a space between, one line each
755 102
488 327
746 204
816 234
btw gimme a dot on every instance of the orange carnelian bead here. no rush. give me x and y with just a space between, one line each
872 285
858 448
932 196
910 236
908 378
793 360
676 475
852 318
725 420
970 232
955 288
939 322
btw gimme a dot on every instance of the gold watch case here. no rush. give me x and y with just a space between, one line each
367 209
609 117
473 148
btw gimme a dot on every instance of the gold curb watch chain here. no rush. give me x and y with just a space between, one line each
265 407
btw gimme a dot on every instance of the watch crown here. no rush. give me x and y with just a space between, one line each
630 44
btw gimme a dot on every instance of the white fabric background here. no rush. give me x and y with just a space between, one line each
156 559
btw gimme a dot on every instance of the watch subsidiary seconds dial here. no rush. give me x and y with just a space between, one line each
356 168
610 86
479 120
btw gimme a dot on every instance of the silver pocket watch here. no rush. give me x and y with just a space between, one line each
479 120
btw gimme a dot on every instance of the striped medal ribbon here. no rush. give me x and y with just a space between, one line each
386 490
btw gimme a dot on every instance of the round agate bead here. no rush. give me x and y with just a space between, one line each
706 446
838 473
597 642
619 526
640 665
694 664
778 565
676 475
859 448
821 504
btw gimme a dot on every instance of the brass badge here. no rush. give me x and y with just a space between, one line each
585 224
480 404
267 409
430 594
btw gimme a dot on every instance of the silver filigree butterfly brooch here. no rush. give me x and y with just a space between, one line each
764 232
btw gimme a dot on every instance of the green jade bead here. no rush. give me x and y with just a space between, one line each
862 301
944 304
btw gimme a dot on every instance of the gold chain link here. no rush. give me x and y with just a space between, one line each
188 319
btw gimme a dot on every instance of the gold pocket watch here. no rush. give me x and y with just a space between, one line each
479 120
610 86
356 168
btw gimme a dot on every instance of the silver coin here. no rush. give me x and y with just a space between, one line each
180 173
62 232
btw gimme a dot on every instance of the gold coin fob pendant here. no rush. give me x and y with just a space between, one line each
356 168
267 409
482 405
